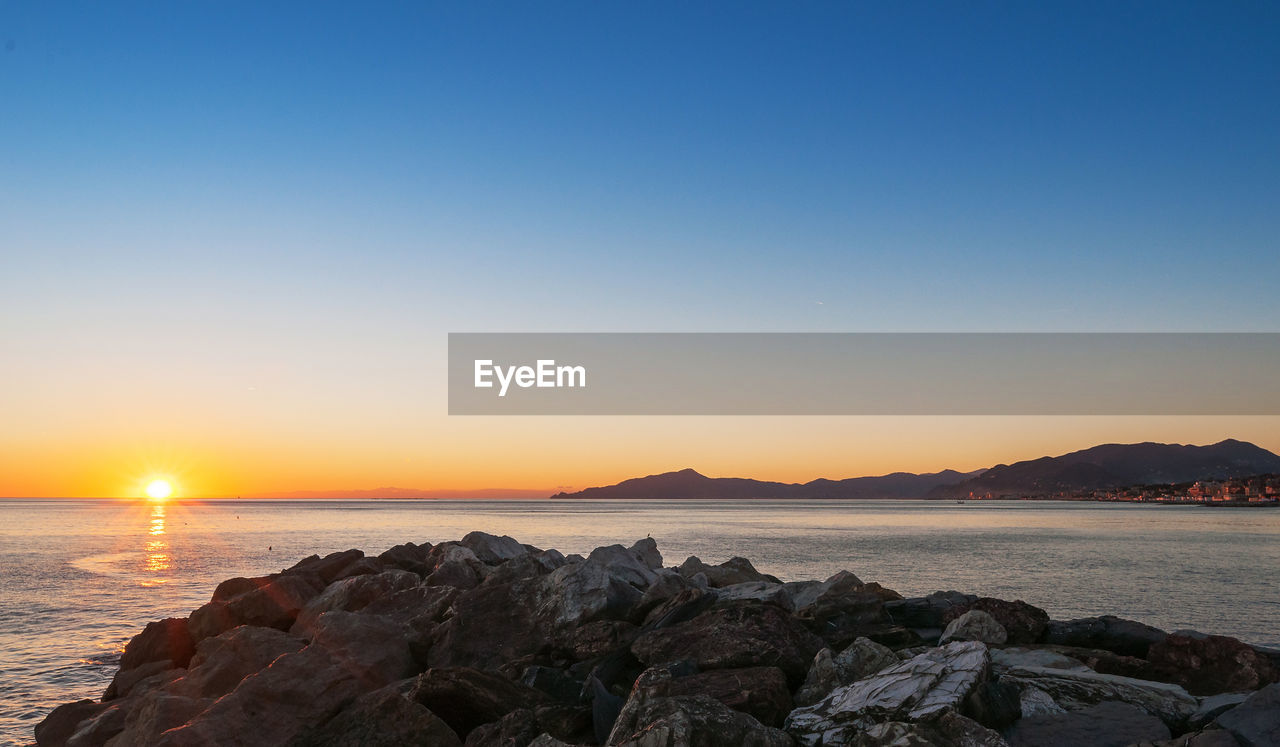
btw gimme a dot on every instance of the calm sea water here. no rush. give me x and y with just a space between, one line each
79 578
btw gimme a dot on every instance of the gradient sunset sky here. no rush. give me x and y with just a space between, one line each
234 236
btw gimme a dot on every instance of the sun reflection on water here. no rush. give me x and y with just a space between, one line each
157 548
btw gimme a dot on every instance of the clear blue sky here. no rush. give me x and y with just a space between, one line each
318 188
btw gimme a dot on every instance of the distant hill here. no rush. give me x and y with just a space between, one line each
1118 465
688 484
1099 467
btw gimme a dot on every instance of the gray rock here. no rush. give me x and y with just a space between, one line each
863 658
948 728
974 625
1108 632
1213 706
651 718
625 564
1036 702
1107 724
455 565
763 591
1256 721
1076 690
732 571
1014 657
928 611
912 690
647 551
491 549
820 681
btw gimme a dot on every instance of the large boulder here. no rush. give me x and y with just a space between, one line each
408 557
62 722
324 570
156 714
352 594
221 662
763 591
467 698
928 611
759 691
652 717
491 549
269 602
917 689
848 609
974 625
732 571
454 564
862 658
733 636
1256 721
1023 623
1108 632
523 726
1211 664
166 640
382 718
1076 690
947 729
1106 724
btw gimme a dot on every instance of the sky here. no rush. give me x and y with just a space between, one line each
234 236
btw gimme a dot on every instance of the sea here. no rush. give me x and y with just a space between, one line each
78 578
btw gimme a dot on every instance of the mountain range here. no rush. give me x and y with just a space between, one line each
1099 467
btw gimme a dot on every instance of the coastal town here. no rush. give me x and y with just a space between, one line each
1257 491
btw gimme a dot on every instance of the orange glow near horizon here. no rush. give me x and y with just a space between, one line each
548 455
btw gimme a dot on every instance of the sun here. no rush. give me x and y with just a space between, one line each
159 490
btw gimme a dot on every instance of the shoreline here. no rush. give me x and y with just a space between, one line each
486 640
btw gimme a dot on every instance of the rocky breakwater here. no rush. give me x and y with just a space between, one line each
487 641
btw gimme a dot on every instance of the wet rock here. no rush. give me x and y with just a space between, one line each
467 698
1023 623
737 635
928 611
1211 664
974 625
221 662
62 721
1256 721
491 549
351 594
919 688
1107 724
1108 632
271 603
383 718
759 691
1076 690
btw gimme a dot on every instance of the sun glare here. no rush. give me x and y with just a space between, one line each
159 490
